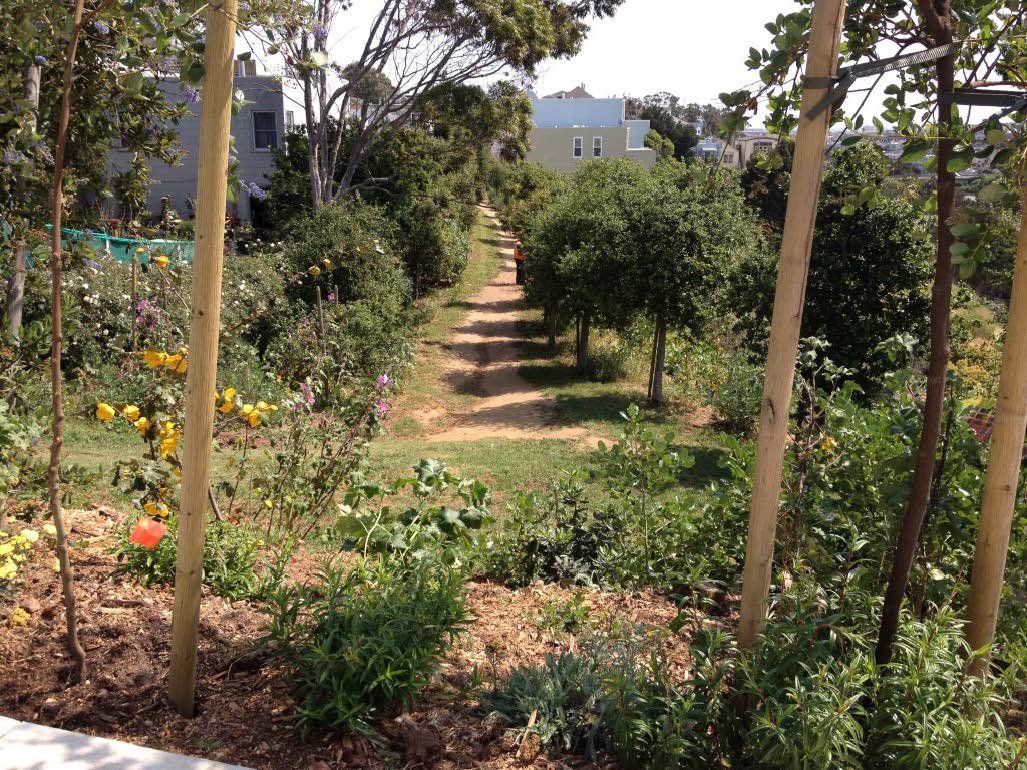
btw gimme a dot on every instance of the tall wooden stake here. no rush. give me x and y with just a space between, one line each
211 195
797 240
1003 468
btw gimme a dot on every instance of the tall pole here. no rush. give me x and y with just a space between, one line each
1003 468
796 243
211 197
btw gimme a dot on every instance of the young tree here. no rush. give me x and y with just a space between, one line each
411 48
918 105
690 225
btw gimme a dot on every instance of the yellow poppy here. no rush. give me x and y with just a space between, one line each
140 250
246 408
168 446
131 411
105 412
161 261
327 263
229 394
263 406
142 425
226 407
154 358
155 509
314 270
176 363
253 418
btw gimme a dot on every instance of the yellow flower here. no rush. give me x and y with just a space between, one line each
268 504
314 270
30 535
828 444
8 569
226 407
229 394
131 411
154 358
142 425
263 406
246 408
19 617
6 549
274 407
168 446
140 250
50 530
161 261
155 509
253 418
327 263
105 411
176 363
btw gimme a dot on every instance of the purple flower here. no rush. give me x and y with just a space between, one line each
101 26
192 96
13 156
143 305
256 191
320 33
331 296
308 394
381 408
40 60
94 266
383 381
88 233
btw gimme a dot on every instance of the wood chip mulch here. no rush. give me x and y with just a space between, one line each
244 703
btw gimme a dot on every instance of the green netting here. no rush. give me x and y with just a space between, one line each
122 249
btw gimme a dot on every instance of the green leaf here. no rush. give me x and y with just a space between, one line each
915 150
961 160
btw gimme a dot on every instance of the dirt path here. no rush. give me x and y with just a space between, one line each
485 360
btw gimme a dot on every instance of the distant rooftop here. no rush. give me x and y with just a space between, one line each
578 92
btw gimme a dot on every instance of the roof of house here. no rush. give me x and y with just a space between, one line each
578 92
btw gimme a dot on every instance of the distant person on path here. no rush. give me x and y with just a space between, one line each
519 260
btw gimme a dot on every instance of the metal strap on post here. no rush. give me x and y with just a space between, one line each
847 76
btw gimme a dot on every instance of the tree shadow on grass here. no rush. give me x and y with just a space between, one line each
707 466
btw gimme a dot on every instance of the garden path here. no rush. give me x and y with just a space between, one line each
485 357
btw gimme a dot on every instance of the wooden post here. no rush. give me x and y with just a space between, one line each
1003 468
211 196
797 240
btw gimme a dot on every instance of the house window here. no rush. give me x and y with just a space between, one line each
290 119
597 146
729 157
577 147
265 130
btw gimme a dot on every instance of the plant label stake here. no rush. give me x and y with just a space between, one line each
211 196
1003 468
797 240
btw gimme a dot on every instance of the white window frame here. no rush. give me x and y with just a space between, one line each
578 147
253 129
597 144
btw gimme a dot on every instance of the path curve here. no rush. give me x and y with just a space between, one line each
484 361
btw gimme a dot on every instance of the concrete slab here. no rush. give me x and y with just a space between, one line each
25 746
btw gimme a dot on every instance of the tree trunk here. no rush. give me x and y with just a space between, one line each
581 352
941 299
16 293
550 320
78 655
1003 469
659 358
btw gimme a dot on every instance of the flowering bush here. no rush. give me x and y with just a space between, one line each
15 550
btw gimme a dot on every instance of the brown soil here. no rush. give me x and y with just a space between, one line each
244 701
485 356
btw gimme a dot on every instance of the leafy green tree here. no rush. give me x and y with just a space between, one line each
457 42
765 181
680 134
869 273
691 226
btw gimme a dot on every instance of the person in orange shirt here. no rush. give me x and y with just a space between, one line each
519 260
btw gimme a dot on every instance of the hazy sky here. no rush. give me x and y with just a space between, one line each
693 49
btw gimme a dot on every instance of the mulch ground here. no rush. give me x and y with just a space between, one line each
244 704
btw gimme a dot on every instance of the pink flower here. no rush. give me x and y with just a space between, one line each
308 394
382 408
383 381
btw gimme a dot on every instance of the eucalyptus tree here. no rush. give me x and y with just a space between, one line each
988 50
410 48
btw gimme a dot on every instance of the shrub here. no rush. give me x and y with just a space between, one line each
358 644
739 395
230 555
815 697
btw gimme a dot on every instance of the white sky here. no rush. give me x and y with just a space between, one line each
693 49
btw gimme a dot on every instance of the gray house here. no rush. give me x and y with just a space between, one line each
257 130
571 127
